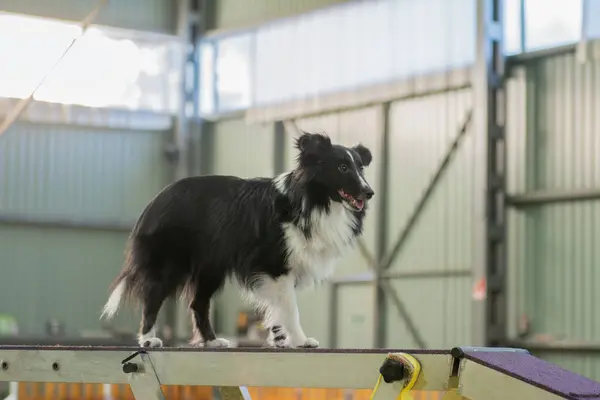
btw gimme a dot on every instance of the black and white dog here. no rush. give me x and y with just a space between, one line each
272 236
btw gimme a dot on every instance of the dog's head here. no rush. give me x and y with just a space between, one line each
339 169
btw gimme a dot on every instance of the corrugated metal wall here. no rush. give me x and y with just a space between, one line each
555 249
54 173
148 15
441 241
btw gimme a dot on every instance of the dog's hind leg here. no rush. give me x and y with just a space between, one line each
152 302
204 333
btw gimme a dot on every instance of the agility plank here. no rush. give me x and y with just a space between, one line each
315 368
496 374
463 373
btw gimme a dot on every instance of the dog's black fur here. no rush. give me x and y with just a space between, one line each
201 230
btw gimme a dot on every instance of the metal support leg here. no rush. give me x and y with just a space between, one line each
143 378
489 262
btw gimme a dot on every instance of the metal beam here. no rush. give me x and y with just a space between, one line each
380 312
490 251
65 223
189 30
369 277
459 273
543 197
279 147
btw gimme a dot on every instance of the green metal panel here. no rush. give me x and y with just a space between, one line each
229 15
441 241
59 273
148 15
555 249
57 171
584 364
245 151
439 307
355 317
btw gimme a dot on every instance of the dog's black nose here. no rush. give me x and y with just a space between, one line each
369 193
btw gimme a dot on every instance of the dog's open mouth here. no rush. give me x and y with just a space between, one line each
357 204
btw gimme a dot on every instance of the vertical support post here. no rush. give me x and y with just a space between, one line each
523 25
489 266
333 314
189 28
583 52
380 314
278 147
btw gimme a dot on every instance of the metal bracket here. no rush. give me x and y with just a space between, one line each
398 374
142 377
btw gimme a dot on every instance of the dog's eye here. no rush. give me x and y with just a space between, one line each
343 168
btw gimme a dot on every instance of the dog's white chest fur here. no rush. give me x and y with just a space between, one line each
313 259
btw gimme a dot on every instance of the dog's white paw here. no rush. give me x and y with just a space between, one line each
218 343
279 344
150 342
308 343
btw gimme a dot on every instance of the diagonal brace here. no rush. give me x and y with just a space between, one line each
426 196
389 290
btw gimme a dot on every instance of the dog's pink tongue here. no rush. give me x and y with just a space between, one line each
360 204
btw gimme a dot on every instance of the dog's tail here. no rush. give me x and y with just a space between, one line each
121 287
114 300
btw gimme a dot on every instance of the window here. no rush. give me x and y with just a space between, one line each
357 44
233 71
548 23
105 68
592 10
352 45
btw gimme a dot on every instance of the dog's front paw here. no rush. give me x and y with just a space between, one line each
150 342
218 343
308 343
278 344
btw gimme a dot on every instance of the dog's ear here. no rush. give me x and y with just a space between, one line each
312 142
364 153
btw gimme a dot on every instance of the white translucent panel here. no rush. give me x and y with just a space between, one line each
512 27
207 78
233 71
551 23
105 67
358 44
361 43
